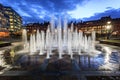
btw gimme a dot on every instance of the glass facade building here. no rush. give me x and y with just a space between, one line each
15 20
4 19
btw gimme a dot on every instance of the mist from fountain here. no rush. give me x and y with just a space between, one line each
48 43
37 40
59 39
65 32
24 39
42 44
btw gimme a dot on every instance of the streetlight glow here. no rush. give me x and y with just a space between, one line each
108 27
108 22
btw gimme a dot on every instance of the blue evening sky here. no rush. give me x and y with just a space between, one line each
42 10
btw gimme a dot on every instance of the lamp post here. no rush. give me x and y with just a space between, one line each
108 28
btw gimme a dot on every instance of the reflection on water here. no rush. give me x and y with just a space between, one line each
100 62
85 62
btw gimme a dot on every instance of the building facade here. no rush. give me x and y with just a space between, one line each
4 19
15 21
104 26
33 27
4 23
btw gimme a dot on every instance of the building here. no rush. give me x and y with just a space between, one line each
104 26
10 21
15 21
4 23
4 19
33 27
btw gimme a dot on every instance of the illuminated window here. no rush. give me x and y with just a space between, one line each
15 20
10 12
11 19
11 16
11 23
11 26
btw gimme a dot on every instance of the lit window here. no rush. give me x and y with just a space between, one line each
11 16
11 26
11 19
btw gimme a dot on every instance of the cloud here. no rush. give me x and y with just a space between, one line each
114 13
40 10
37 9
93 6
23 13
109 8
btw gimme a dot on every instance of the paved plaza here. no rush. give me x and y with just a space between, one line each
75 70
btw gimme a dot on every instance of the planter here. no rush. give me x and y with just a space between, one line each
5 44
110 43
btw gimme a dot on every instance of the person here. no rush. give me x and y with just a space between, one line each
12 55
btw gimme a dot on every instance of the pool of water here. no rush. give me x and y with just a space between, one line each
84 62
99 62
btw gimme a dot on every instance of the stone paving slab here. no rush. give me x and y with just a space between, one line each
85 73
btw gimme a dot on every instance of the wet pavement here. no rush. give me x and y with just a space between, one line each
81 66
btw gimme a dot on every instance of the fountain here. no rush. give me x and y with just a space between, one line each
61 39
24 38
63 43
41 43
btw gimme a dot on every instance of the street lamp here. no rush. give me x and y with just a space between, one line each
108 28
108 22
